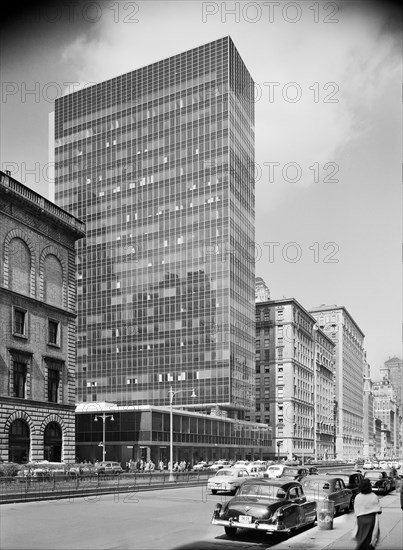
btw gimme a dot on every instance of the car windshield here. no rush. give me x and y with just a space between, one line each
221 473
264 491
373 475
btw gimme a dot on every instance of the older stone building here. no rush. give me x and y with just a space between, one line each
294 381
37 331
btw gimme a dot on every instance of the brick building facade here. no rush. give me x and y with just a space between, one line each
38 328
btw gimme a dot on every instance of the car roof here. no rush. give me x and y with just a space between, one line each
273 482
321 477
345 473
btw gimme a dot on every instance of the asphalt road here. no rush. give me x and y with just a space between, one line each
162 519
165 519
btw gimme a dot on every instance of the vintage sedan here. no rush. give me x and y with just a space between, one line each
202 465
227 480
111 468
328 488
380 481
270 505
352 480
294 472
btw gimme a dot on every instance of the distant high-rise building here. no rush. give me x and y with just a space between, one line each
369 415
262 292
350 364
159 164
392 370
385 405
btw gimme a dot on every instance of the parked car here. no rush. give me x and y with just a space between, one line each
256 470
104 468
294 472
219 464
380 481
227 480
201 466
241 463
367 465
275 470
270 505
82 469
328 488
352 480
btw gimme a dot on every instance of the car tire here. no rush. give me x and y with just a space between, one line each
230 531
213 491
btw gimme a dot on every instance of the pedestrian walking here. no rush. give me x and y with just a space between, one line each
367 509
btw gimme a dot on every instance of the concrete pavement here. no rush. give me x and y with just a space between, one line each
339 538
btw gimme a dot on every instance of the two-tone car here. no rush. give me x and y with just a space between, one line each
111 468
270 505
380 481
322 488
352 480
227 480
200 466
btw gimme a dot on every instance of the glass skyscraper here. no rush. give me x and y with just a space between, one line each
159 163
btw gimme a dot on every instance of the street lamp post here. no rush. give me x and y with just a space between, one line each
172 394
104 417
279 443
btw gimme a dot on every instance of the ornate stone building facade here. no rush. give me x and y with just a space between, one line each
350 363
294 381
38 326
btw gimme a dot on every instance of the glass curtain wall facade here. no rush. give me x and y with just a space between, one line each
159 163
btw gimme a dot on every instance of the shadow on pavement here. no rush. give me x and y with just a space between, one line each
244 539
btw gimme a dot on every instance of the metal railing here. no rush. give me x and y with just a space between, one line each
28 488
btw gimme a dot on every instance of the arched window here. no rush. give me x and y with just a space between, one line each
52 442
53 280
19 260
18 442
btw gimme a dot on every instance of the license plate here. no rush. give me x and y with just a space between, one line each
245 519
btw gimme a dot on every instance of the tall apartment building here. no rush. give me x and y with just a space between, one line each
159 164
369 449
38 326
393 371
338 324
294 381
385 405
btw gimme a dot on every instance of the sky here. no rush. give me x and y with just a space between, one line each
328 128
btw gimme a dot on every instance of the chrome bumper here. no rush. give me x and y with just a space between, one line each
268 527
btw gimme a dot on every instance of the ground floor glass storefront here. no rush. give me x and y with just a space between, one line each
144 433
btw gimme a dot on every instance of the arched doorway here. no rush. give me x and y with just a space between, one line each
19 442
52 442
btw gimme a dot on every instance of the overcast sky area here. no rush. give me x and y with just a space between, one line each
328 128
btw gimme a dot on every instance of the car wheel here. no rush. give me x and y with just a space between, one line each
213 491
230 531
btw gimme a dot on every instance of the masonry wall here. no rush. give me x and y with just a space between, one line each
37 277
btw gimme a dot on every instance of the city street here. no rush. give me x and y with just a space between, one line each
164 519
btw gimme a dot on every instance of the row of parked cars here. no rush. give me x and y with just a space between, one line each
47 470
287 502
285 498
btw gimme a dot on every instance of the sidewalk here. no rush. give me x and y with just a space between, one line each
339 538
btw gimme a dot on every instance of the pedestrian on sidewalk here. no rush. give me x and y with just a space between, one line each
367 509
